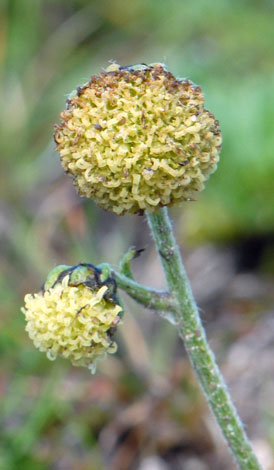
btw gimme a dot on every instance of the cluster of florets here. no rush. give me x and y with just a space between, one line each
73 317
137 138
133 138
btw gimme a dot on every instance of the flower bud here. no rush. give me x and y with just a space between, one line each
74 315
136 138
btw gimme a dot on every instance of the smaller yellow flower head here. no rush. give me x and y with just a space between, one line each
137 138
72 320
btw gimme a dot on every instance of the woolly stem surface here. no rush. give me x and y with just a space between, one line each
190 329
150 298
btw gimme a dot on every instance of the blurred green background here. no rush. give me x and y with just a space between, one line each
143 409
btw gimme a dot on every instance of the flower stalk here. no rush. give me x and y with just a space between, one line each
192 332
151 298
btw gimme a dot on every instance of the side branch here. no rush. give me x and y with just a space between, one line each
150 298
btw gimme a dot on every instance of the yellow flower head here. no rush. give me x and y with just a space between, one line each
137 138
73 318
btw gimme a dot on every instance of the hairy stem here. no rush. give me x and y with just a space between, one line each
191 331
150 298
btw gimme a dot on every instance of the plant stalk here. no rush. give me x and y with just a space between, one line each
150 298
192 332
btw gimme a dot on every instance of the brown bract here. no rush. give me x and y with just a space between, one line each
136 138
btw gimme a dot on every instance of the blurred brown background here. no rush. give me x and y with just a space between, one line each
143 409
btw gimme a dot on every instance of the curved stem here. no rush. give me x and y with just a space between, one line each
191 330
150 298
125 263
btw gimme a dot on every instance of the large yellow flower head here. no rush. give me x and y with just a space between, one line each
74 315
137 138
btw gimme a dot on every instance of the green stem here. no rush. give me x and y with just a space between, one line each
150 298
191 330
